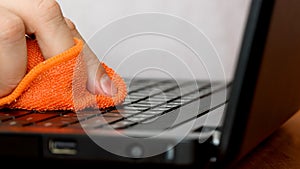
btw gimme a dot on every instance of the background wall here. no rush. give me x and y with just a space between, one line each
221 22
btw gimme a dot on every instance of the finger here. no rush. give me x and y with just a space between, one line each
44 19
98 81
13 54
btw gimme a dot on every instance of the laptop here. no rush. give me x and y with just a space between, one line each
186 123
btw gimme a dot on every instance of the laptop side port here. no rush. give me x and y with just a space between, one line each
63 147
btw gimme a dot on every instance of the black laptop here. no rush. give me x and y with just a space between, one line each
186 123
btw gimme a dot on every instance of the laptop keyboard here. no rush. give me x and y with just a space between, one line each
146 100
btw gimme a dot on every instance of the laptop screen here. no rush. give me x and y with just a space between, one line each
202 38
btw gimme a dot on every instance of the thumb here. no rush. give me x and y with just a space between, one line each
98 81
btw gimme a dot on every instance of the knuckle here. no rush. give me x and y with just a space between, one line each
70 24
48 5
12 28
48 10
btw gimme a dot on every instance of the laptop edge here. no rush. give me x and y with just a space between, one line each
266 86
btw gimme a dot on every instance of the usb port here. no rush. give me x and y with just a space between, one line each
63 147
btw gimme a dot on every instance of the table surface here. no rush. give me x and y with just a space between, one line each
280 151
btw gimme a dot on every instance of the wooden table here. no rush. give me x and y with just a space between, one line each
280 151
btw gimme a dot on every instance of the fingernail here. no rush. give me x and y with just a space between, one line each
107 86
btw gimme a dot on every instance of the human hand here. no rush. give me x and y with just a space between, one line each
54 34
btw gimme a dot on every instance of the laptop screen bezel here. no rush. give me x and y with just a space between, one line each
245 78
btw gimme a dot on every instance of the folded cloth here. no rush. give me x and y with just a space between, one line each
59 83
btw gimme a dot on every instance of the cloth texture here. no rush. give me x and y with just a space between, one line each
59 83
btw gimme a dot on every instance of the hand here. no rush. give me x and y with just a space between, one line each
54 34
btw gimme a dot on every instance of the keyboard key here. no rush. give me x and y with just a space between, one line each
126 111
95 122
5 117
169 105
122 124
14 123
144 116
140 104
150 112
117 114
160 109
59 121
30 119
135 119
132 107
11 114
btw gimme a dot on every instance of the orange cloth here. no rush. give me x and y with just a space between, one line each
59 83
